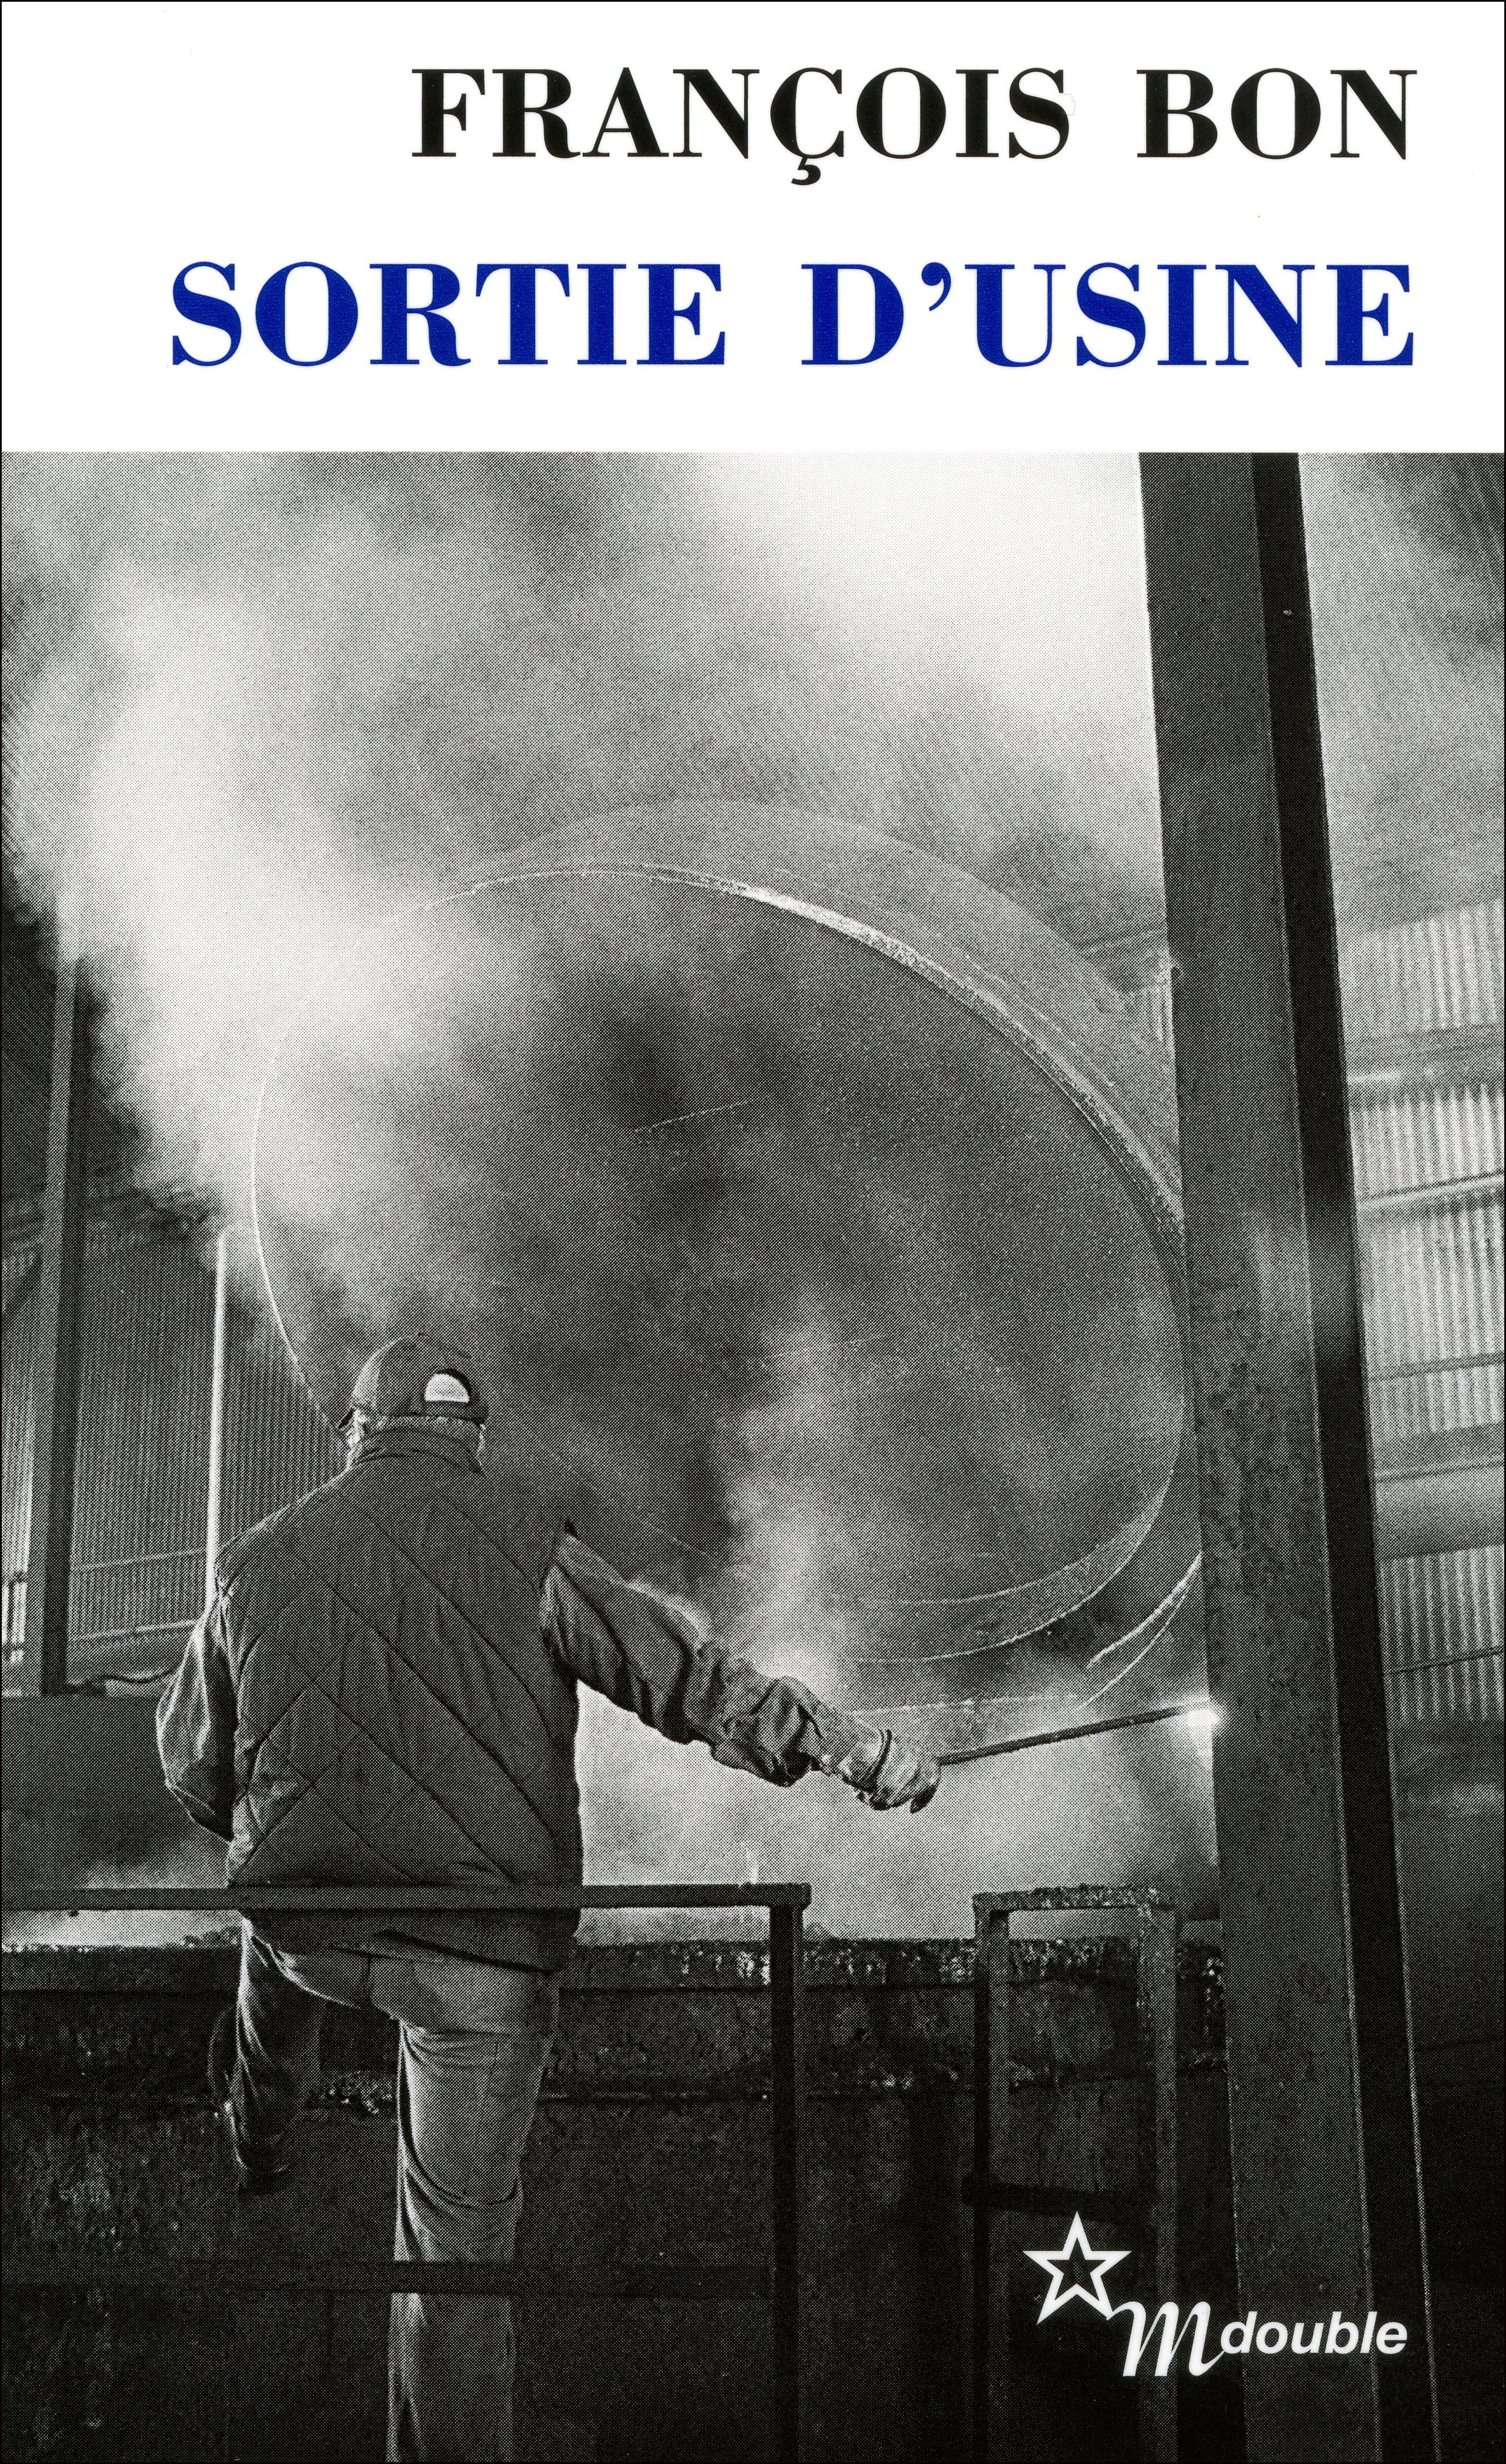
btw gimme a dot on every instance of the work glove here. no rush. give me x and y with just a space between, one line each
883 1769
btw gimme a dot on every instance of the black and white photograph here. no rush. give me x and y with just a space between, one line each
751 1574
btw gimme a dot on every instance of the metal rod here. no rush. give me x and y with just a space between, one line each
114 1565
1444 1659
214 1501
132 1633
59 1315
1437 1368
788 2130
648 2281
1430 1056
1431 1193
24 1286
332 1899
1087 1728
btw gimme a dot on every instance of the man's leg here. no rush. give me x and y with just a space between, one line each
465 2103
275 2054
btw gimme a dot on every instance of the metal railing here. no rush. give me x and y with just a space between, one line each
778 2283
1150 2209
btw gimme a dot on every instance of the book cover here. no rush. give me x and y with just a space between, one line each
785 723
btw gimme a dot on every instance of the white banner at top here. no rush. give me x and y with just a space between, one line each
753 226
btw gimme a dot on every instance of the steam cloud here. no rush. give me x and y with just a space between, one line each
259 702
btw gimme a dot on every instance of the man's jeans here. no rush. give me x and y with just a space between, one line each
472 2043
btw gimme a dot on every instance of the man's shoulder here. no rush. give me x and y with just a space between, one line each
517 1513
276 1530
506 1507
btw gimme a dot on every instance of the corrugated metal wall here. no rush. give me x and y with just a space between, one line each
1433 1313
143 1439
16 1361
1442 1627
1442 971
277 1446
1423 1005
1422 1009
142 1469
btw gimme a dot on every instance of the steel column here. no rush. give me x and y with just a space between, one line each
787 2128
214 1502
990 2375
55 1423
1328 2199
1156 2030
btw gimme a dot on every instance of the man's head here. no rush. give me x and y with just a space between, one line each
417 1382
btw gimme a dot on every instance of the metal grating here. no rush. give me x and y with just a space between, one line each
1434 1320
1441 1627
277 1443
1423 1006
1444 971
138 1572
1416 1138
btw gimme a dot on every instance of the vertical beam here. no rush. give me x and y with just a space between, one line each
1156 2021
215 1500
55 1419
788 2122
1328 2202
990 2390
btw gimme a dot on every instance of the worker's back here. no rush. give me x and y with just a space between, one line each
398 1716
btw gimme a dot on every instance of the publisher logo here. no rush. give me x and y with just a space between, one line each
1077 2273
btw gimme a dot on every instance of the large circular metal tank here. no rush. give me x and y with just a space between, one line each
813 1212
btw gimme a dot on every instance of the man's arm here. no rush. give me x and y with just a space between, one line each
196 1728
643 1656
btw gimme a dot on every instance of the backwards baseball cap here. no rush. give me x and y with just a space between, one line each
414 1377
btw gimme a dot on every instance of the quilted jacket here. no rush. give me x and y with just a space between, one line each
376 1652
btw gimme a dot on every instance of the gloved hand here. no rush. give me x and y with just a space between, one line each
882 1768
902 1775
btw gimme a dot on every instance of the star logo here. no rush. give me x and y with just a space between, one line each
1079 2257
